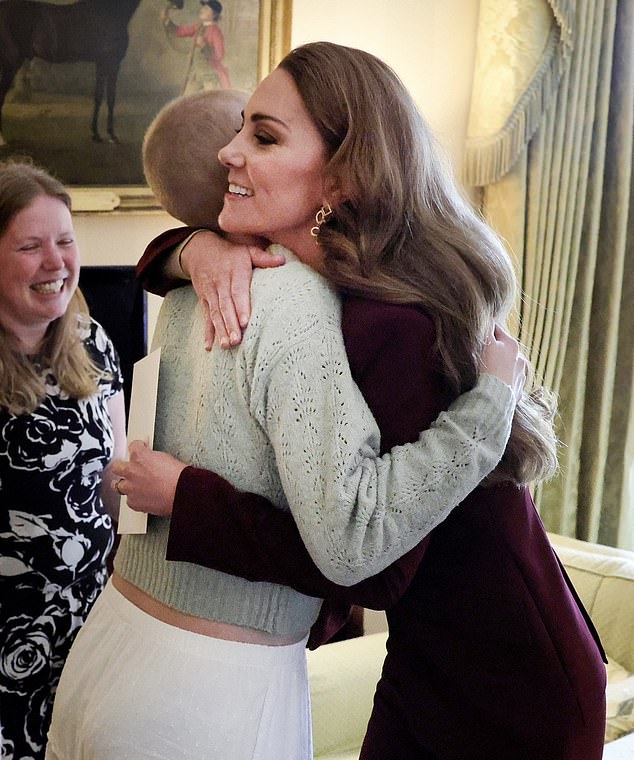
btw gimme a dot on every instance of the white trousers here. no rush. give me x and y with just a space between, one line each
135 687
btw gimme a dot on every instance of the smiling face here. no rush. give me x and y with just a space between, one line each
276 169
40 269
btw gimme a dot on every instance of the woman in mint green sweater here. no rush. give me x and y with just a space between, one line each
184 661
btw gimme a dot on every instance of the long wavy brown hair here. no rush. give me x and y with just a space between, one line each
22 387
405 233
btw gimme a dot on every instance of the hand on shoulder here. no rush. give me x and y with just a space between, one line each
501 357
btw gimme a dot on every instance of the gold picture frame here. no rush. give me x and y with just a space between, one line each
275 34
52 124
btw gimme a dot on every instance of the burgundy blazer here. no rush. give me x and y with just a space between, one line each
490 652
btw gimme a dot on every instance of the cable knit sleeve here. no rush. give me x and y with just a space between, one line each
357 512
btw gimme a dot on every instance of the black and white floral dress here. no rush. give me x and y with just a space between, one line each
55 537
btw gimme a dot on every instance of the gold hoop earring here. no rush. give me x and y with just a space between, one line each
321 217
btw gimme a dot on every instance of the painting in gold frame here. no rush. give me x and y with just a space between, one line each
48 110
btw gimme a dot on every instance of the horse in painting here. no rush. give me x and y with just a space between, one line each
89 30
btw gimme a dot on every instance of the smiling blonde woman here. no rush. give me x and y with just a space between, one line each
61 422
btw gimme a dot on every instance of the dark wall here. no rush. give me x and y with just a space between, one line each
119 304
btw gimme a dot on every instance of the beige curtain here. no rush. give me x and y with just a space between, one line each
550 146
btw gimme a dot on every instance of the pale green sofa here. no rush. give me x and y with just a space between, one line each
343 675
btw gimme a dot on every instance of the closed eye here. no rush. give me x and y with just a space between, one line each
264 138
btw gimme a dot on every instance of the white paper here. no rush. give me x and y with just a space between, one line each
141 417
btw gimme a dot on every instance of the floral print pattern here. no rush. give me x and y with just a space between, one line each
54 541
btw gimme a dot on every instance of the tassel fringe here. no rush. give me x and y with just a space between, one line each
488 159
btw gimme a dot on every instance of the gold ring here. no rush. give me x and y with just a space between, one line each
116 486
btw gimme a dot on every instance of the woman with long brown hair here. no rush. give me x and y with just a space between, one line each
490 654
277 416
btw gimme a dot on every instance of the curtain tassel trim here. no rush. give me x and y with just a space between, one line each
488 159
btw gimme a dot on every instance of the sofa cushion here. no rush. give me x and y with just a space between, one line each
605 583
620 701
343 678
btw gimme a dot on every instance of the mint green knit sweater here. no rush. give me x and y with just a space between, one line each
280 416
